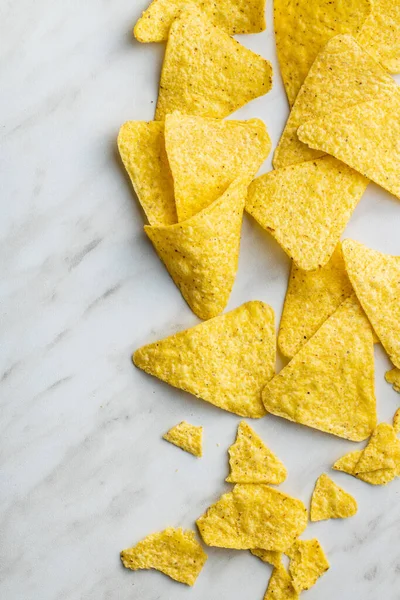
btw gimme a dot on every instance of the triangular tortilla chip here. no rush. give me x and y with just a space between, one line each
280 586
393 377
382 452
396 421
348 464
268 556
308 563
253 516
365 137
142 149
174 552
202 253
187 437
306 207
207 155
380 34
206 72
312 297
251 461
233 16
329 383
329 501
302 29
342 75
226 361
376 281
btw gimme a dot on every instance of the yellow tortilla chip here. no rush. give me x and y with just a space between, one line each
306 207
329 501
348 464
382 451
226 361
380 34
307 563
393 377
396 421
202 253
253 516
280 586
207 155
342 75
186 436
365 137
312 297
206 72
302 29
268 556
376 281
233 16
251 461
174 552
142 149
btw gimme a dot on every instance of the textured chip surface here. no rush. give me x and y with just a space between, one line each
348 463
308 563
280 586
268 556
329 501
393 377
380 34
187 437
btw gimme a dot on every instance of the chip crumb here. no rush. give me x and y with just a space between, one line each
393 377
187 437
396 421
329 501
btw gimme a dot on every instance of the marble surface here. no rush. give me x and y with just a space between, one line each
84 471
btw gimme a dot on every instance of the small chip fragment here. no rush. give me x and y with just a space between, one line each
380 34
253 516
207 155
396 421
393 377
186 436
280 586
268 556
308 563
329 501
382 451
348 464
225 361
329 383
311 298
233 16
376 281
142 149
206 72
174 552
251 461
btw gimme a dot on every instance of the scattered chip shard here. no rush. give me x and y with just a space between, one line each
233 16
280 586
226 361
393 377
268 556
308 563
329 501
174 552
187 437
329 383
253 516
382 451
142 149
396 421
206 72
376 281
380 34
202 253
251 461
303 28
348 463
207 155
311 298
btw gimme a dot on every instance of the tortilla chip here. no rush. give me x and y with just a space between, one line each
311 298
307 563
329 501
233 16
225 361
303 28
396 421
251 461
280 586
365 137
187 437
206 72
142 149
207 155
393 377
253 516
174 552
376 281
268 556
348 464
382 451
380 34
342 75
202 253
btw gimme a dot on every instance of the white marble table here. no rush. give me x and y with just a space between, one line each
84 471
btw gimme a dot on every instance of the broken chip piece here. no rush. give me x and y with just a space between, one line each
329 501
187 437
308 563
206 72
380 34
348 463
268 556
329 383
174 552
207 155
382 451
280 586
393 377
251 461
225 361
396 421
253 516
